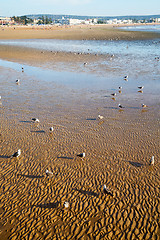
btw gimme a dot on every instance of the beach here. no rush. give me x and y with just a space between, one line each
55 87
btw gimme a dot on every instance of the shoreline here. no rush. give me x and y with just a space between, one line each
118 149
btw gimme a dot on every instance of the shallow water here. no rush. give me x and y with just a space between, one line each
98 80
146 28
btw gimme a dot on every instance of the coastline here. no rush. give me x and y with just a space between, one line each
118 149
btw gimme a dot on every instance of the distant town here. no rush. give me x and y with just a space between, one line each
59 20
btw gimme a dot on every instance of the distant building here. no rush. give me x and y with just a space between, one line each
6 21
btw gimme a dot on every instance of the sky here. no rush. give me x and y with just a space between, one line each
11 8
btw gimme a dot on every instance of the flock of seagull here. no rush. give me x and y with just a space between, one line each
81 155
120 88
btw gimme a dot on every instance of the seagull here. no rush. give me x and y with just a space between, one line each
48 173
120 87
85 63
35 120
100 117
16 154
120 106
113 94
126 77
143 105
82 155
107 191
141 87
152 161
66 204
51 129
17 80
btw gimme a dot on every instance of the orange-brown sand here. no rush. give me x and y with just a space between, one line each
95 32
118 149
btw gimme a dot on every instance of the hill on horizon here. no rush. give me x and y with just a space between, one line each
65 16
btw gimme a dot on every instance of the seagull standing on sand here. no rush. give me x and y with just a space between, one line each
126 78
51 129
113 94
66 204
107 191
35 120
82 155
143 105
120 106
16 154
152 161
48 173
17 80
100 117
141 87
120 88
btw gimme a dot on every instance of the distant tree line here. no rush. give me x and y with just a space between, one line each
22 20
44 20
26 20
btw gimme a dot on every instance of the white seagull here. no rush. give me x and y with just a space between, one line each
100 117
113 94
17 80
35 120
51 129
152 161
141 87
48 173
120 106
82 155
126 77
107 191
66 204
16 154
120 88
143 105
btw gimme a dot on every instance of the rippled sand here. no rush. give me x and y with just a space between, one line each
118 149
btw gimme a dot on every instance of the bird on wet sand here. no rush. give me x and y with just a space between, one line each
126 78
17 81
152 161
120 106
16 154
107 191
81 155
144 105
113 94
48 173
141 87
66 204
35 120
100 117
51 129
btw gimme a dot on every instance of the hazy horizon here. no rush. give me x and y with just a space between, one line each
80 7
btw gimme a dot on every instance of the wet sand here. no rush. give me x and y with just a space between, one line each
118 149
82 32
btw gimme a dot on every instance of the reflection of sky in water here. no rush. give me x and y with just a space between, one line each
148 28
133 58
85 46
